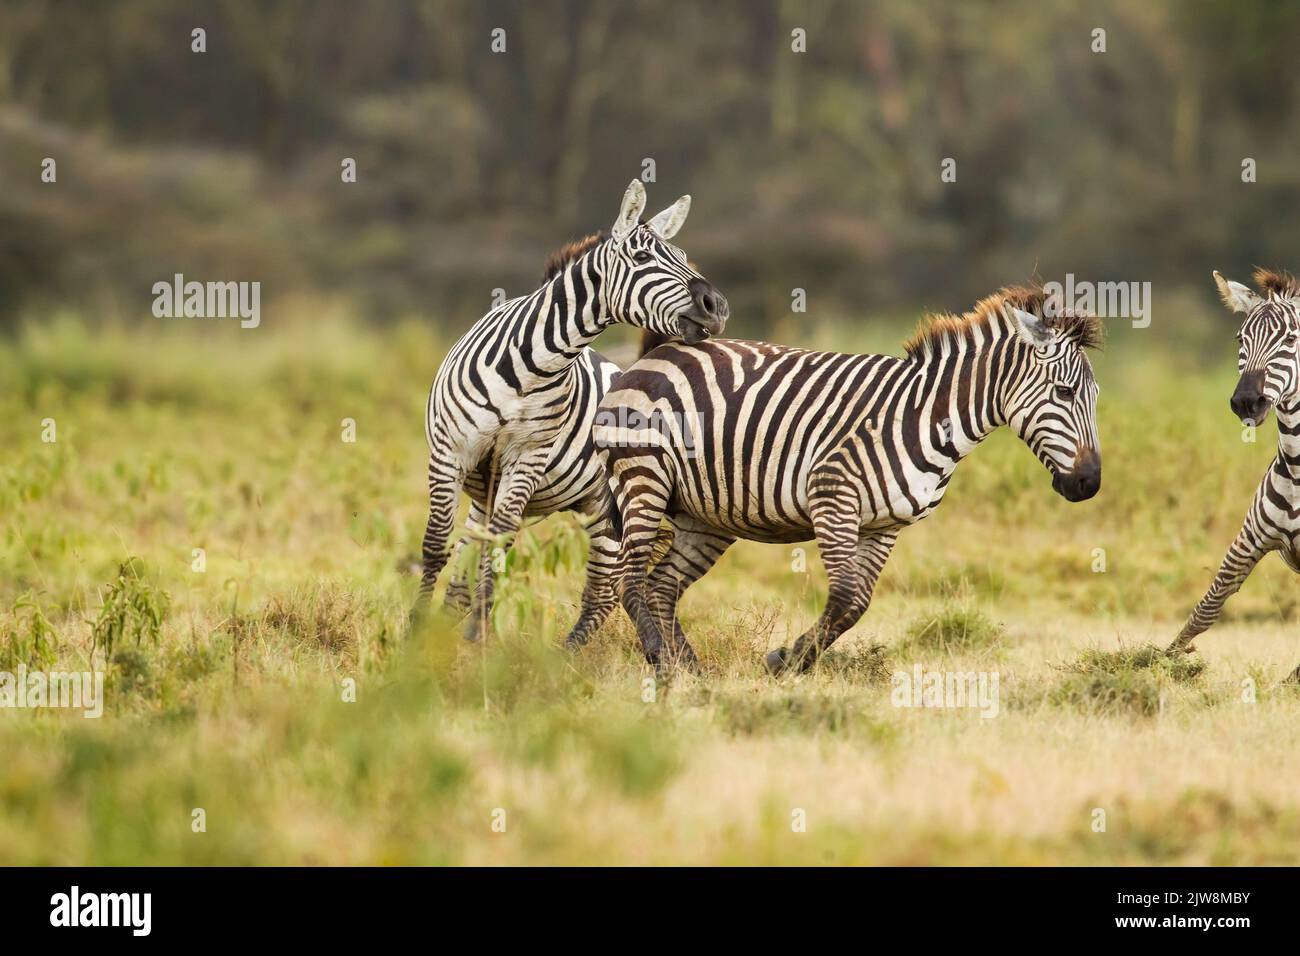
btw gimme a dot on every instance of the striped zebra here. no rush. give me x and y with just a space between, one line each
1270 378
731 439
509 415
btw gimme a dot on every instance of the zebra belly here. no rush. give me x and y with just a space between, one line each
531 425
555 492
746 530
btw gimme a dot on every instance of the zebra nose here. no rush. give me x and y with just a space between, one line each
1248 402
1089 484
711 304
1083 480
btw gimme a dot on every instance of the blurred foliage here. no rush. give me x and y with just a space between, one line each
817 170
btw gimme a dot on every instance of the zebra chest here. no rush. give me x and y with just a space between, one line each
894 492
1280 504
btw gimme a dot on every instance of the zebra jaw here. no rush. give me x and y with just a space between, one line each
693 331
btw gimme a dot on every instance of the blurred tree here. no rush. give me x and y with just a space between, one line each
816 169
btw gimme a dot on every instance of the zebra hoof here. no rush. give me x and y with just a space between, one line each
777 661
685 659
416 617
472 630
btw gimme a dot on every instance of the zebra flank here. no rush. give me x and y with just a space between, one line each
1270 379
508 419
730 439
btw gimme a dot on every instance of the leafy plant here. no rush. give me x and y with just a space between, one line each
30 639
132 608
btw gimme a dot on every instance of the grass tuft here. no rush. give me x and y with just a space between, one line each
795 712
954 628
1130 681
325 615
1181 668
862 664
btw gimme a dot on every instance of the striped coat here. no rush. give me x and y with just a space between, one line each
1269 362
730 439
509 413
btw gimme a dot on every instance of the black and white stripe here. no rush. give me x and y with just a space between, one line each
509 415
1270 378
731 439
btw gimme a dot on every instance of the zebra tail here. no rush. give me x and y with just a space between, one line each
615 516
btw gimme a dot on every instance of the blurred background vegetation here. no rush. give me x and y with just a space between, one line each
818 170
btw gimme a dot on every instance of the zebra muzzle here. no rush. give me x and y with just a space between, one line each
1248 401
1083 480
707 315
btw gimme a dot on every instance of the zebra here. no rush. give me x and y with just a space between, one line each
734 439
1267 360
508 418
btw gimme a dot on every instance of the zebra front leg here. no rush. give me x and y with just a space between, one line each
1245 552
444 490
599 596
456 600
517 485
852 571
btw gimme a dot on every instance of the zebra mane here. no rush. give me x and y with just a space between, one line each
991 312
1277 282
570 252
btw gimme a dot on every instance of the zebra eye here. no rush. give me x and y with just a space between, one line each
642 257
1064 393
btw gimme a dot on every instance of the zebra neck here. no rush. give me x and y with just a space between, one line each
561 319
960 393
1288 437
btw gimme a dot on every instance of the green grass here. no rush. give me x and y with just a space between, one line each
269 681
952 628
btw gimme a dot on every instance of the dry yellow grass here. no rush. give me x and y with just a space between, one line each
231 443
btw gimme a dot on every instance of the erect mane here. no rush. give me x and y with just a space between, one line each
1277 282
570 252
990 312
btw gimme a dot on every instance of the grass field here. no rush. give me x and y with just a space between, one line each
228 689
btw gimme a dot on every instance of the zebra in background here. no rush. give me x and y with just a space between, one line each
1270 378
778 444
508 418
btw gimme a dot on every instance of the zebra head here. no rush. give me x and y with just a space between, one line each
648 281
1052 399
1269 335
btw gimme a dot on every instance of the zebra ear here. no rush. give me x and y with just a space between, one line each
1032 330
1235 296
630 213
667 223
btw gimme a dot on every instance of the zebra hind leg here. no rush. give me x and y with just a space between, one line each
642 510
692 553
444 490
